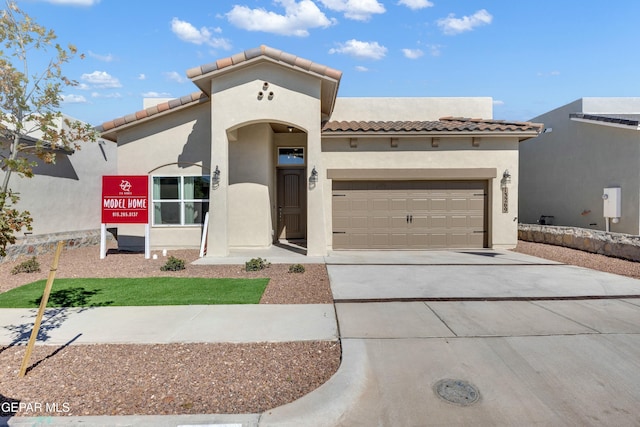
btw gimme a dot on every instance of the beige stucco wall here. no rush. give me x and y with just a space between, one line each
563 172
67 196
295 101
177 144
411 108
452 153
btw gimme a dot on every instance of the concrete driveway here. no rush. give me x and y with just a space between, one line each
488 338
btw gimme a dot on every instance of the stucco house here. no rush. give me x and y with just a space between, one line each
268 148
582 165
65 197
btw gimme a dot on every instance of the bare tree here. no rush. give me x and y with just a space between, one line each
31 125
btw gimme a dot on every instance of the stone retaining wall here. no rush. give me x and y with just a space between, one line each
37 245
625 246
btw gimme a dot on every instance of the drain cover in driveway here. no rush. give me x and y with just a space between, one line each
457 391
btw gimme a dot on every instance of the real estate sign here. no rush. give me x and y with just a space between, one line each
125 199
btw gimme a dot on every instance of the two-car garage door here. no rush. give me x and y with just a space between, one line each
409 214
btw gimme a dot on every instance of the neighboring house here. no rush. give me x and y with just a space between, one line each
272 153
589 145
66 197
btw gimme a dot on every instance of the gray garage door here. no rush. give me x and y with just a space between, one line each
409 214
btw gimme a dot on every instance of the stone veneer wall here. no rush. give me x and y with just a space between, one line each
36 245
618 245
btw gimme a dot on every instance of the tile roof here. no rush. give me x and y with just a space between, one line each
269 52
445 124
194 98
219 65
620 119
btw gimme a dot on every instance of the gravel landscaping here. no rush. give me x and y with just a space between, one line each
191 378
173 378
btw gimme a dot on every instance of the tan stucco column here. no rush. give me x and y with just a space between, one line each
316 219
218 237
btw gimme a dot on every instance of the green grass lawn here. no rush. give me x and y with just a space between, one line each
137 292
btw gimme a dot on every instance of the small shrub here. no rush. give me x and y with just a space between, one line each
30 266
296 268
173 264
256 264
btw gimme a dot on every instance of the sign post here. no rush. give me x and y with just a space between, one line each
125 200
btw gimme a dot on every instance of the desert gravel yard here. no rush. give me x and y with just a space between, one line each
192 378
170 378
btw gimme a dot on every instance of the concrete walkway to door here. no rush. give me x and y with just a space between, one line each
513 340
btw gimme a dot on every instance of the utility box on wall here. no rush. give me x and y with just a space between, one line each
612 202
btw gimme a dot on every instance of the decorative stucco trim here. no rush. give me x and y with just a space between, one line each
411 174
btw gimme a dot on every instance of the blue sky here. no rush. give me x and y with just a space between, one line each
529 56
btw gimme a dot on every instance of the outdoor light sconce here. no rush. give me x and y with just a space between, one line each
216 177
504 183
314 175
506 178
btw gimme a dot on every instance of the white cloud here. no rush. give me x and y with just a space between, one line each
298 19
190 34
74 99
142 76
360 49
416 4
153 94
101 79
174 76
105 58
358 10
114 95
74 2
361 69
452 25
412 53
498 102
434 49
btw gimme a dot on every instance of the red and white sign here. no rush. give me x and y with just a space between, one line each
125 199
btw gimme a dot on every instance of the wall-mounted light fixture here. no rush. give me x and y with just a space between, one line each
290 129
506 178
504 184
314 175
216 177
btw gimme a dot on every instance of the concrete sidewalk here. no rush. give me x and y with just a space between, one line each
540 343
173 324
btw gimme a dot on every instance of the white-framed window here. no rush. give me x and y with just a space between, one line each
290 156
180 200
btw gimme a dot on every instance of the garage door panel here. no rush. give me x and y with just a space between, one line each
420 222
476 206
341 223
438 240
399 222
409 215
476 222
416 204
359 205
438 221
458 204
438 204
399 204
458 240
398 240
380 222
458 221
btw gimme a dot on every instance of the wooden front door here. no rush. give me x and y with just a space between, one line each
292 204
